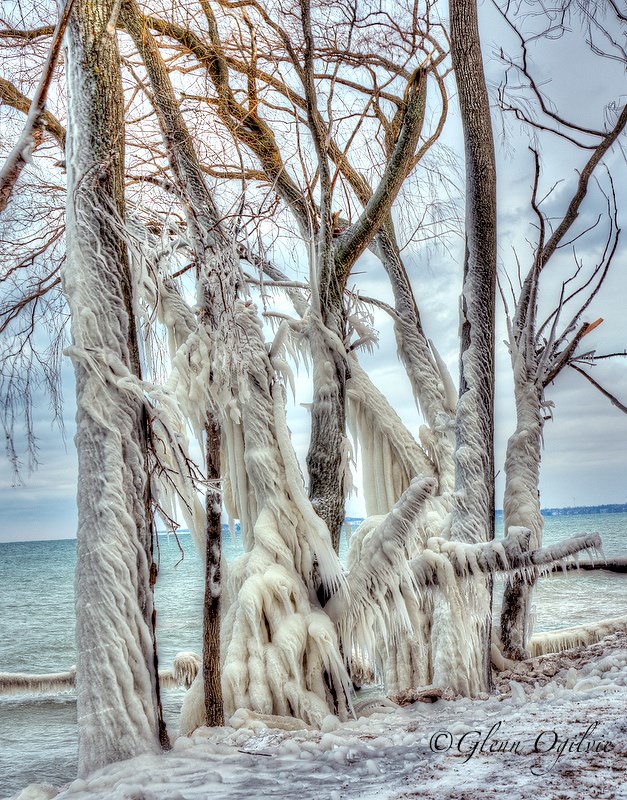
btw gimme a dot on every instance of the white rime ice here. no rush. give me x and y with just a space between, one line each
379 602
280 651
278 645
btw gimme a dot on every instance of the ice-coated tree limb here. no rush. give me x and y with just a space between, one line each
372 595
579 636
510 554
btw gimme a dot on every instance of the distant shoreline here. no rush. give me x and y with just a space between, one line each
576 511
567 511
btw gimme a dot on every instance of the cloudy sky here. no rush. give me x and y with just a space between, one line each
585 455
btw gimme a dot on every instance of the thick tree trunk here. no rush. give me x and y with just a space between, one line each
475 412
521 507
117 684
473 517
328 447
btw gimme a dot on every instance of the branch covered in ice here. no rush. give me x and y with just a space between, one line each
500 555
373 600
185 667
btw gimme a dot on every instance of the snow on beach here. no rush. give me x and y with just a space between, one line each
555 728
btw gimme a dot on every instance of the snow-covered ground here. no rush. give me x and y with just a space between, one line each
558 732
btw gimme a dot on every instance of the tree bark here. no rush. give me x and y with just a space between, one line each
475 414
473 516
117 682
213 581
328 446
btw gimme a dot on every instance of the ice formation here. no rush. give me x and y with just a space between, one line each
580 636
18 683
390 456
378 600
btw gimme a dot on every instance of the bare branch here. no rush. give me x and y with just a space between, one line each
355 240
613 400
20 154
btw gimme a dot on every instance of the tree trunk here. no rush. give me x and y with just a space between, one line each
117 690
521 507
473 517
213 582
328 447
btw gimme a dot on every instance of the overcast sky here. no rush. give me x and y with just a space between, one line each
585 455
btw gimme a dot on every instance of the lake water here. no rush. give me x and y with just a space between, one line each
38 734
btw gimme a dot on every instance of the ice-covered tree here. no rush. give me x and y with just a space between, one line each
543 344
118 704
243 126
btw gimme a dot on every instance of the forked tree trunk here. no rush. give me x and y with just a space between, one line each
117 685
473 518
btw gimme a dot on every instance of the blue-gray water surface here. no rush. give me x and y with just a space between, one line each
38 734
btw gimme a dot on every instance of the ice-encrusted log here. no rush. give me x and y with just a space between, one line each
23 683
116 679
610 565
579 636
184 669
390 455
